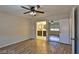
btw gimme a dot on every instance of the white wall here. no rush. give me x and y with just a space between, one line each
13 29
65 22
33 25
65 31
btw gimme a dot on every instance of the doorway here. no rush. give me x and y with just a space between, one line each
41 30
53 30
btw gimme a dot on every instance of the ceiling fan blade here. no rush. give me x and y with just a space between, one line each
39 11
27 12
25 7
38 6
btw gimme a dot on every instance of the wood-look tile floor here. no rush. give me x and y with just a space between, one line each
36 47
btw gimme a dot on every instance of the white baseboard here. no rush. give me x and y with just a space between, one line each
13 43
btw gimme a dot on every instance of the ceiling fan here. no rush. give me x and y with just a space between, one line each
32 10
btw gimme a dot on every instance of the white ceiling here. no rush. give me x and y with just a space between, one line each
50 10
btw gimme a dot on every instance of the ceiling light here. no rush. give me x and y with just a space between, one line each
33 13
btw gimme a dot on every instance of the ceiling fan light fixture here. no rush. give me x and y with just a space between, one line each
32 13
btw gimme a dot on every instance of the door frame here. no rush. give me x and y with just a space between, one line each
36 28
74 35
